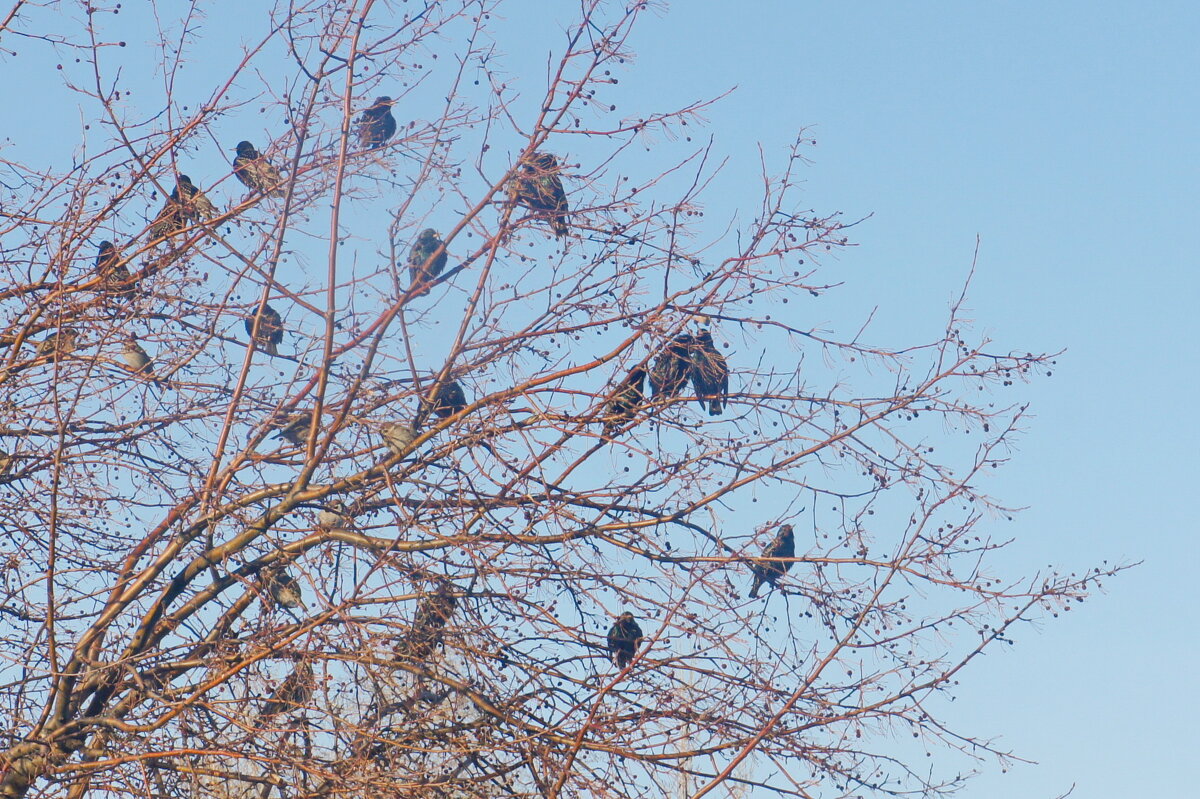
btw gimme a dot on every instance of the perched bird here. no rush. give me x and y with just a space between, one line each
295 690
187 204
433 613
420 268
61 342
445 399
333 516
255 172
6 463
672 367
624 403
270 330
108 266
294 429
710 374
283 588
784 546
398 436
376 124
538 186
139 361
624 638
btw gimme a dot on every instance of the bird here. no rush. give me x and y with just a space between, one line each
139 361
445 399
295 690
420 268
255 172
294 428
283 588
625 401
672 367
376 124
710 374
430 620
333 516
187 204
398 437
115 274
538 186
7 462
270 330
624 638
61 342
784 546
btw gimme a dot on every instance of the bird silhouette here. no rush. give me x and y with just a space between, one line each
672 367
186 205
538 186
295 691
420 268
376 124
115 274
625 401
710 374
624 638
445 399
429 623
270 330
255 171
769 571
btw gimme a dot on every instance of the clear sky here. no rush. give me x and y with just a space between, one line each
1064 136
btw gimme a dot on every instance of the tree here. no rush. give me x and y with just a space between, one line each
452 636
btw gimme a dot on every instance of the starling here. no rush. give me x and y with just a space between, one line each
398 436
295 428
671 369
283 588
446 399
420 268
710 374
433 613
376 124
295 690
255 172
538 187
139 361
187 204
624 403
270 330
624 638
61 342
333 516
784 546
108 266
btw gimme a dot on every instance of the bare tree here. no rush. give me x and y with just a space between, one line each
424 406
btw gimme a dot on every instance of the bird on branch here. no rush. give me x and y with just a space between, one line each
538 186
140 362
624 638
622 408
710 374
769 571
376 124
270 330
671 369
420 268
255 172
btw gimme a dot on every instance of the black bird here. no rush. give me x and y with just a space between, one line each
187 204
106 258
376 124
255 172
710 374
624 403
295 428
420 268
672 367
108 266
270 330
446 399
624 638
538 186
295 691
784 546
430 621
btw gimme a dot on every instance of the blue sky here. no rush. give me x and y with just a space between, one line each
1064 136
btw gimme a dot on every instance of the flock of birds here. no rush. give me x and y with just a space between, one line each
536 186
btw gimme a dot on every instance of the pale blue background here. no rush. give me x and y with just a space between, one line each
1064 136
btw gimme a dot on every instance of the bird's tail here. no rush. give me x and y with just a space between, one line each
559 223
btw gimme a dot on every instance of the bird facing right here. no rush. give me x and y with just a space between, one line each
255 172
420 268
769 571
376 124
